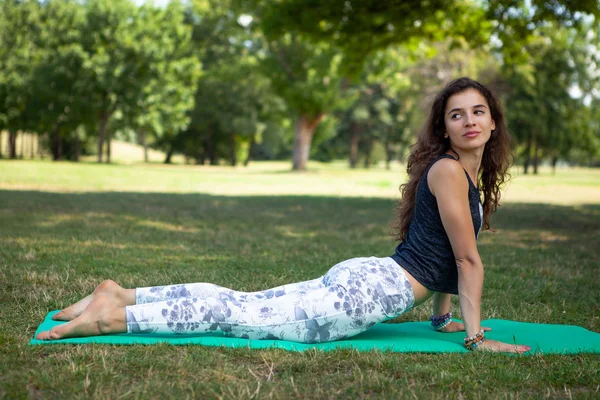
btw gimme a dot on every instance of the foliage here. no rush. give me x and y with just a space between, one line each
361 27
19 36
57 106
543 113
308 76
234 102
165 49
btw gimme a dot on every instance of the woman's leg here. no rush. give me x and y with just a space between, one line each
351 297
302 316
317 315
204 290
379 288
126 297
357 294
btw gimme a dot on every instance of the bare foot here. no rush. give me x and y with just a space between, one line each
102 316
107 288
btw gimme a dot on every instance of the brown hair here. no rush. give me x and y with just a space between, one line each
431 143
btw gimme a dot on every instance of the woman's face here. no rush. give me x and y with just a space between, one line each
468 120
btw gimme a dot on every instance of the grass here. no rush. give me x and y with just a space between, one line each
65 227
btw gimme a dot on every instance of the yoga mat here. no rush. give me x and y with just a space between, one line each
414 337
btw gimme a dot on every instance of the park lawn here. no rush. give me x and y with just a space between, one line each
65 227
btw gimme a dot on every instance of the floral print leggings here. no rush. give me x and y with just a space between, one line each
349 299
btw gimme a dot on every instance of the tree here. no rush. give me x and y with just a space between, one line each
19 35
542 112
234 101
314 48
308 77
162 106
59 104
362 27
396 87
116 69
359 28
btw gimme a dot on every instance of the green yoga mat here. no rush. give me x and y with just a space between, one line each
416 337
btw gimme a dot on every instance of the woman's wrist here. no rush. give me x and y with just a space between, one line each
472 342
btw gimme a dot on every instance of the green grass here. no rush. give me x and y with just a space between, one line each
65 227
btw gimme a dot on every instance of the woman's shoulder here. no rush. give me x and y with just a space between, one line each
446 167
444 173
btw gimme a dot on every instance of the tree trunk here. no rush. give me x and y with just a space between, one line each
232 155
142 136
108 140
536 158
101 131
39 148
77 148
354 140
250 148
201 159
22 144
554 161
527 155
169 155
31 149
368 151
304 131
389 153
12 145
55 143
210 149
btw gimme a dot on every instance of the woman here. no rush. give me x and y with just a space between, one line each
463 144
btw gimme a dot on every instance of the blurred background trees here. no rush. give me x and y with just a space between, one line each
227 81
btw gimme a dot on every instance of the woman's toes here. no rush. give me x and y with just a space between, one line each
61 316
48 335
42 336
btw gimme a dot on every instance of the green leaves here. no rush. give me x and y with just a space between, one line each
543 111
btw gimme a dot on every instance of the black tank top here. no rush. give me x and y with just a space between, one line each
426 252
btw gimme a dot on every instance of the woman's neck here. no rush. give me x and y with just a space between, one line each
470 161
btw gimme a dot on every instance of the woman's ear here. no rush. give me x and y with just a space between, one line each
493 125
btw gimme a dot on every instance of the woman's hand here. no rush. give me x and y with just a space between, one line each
495 346
454 326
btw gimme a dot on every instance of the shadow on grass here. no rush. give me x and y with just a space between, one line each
301 227
182 217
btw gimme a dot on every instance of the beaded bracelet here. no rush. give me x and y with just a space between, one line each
440 322
471 343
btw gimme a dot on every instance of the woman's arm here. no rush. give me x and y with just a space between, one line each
448 183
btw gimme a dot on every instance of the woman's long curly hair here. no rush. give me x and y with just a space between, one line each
431 143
